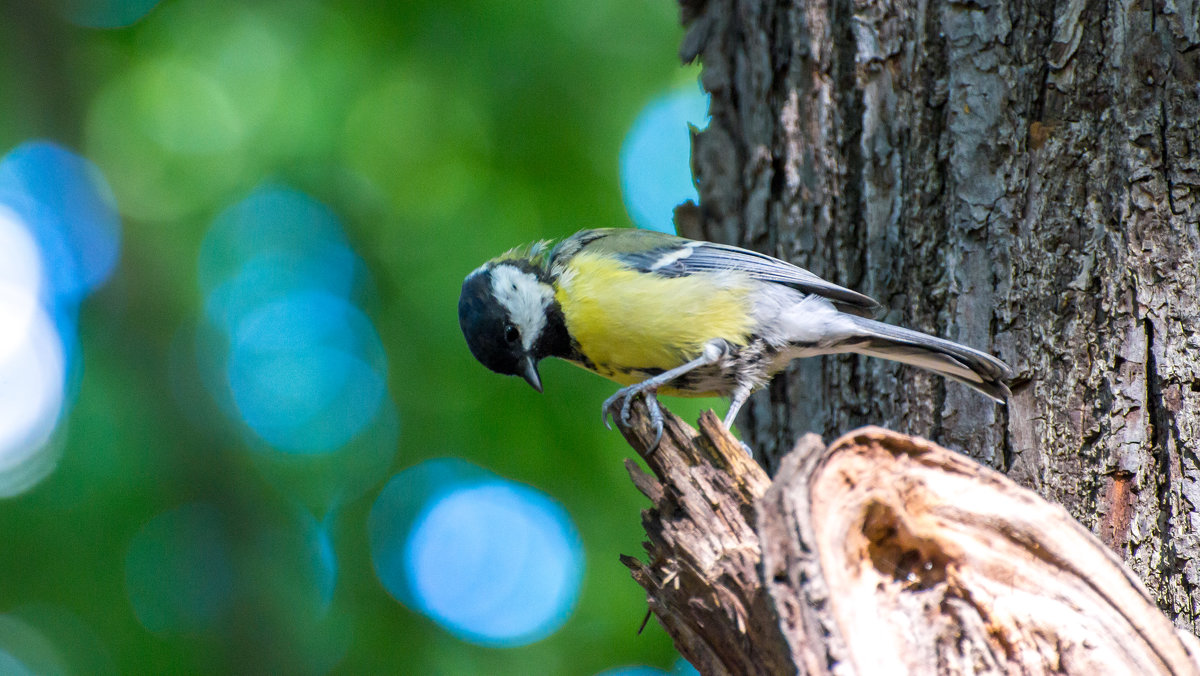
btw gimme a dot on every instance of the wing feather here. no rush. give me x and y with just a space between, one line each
671 256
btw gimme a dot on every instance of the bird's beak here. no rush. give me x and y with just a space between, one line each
531 374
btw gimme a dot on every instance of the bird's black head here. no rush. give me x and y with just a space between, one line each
504 311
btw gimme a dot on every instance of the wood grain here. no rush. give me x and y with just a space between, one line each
881 553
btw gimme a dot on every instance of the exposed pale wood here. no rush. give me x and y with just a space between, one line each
935 563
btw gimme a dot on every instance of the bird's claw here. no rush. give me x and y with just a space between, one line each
607 408
625 397
656 419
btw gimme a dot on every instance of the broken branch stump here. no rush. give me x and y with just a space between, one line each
881 553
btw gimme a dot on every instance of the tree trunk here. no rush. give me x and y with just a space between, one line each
1017 176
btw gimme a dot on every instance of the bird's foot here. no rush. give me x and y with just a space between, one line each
624 397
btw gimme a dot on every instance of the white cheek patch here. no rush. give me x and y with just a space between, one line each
525 298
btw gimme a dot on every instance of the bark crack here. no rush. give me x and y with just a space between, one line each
1163 123
1163 438
850 143
1154 413
1166 153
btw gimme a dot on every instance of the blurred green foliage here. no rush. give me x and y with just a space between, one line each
442 134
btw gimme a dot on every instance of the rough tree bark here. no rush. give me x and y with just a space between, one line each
1020 176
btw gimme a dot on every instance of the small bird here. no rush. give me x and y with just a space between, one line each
663 314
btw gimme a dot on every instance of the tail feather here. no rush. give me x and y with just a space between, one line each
966 365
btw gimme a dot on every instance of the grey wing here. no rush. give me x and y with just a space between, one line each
687 257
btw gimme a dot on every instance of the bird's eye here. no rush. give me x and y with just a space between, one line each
511 334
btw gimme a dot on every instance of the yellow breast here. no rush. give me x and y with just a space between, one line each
625 320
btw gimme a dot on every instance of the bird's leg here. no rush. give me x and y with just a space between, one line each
736 399
713 351
739 396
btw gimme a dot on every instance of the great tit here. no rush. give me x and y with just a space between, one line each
659 313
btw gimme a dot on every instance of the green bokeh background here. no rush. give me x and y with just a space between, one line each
442 133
